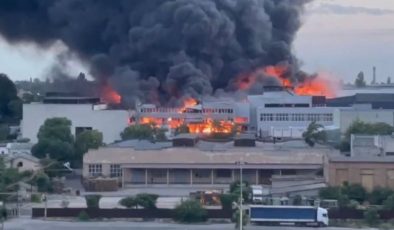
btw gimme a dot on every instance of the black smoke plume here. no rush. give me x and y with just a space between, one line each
159 51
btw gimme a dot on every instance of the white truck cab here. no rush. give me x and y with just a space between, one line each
322 216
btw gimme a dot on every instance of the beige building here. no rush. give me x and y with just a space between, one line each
370 172
195 166
23 162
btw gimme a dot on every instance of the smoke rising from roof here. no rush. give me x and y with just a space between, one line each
159 51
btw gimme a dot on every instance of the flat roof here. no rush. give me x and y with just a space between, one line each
363 159
193 157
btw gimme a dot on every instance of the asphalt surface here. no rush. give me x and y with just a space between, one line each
29 224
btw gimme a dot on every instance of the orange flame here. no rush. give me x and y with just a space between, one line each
321 85
110 96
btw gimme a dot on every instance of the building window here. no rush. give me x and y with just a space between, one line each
223 173
115 171
95 169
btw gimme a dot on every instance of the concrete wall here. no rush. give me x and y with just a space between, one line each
110 122
382 173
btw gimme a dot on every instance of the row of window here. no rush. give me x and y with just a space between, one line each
97 170
319 117
188 110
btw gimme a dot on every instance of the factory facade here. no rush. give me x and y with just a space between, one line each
83 114
278 113
201 165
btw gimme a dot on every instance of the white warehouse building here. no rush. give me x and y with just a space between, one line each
344 117
84 115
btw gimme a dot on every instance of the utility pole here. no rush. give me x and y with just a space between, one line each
240 163
241 209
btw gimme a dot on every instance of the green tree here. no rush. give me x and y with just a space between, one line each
236 219
58 128
360 127
92 201
388 203
371 216
354 192
246 190
379 195
89 139
146 200
227 201
190 211
129 202
330 193
360 81
4 131
55 139
314 134
15 109
43 182
8 93
144 131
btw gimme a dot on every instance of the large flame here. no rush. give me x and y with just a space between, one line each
320 85
207 126
109 95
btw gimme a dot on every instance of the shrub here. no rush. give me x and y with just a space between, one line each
227 201
355 192
246 190
379 195
83 216
35 198
330 193
388 204
128 202
371 217
146 200
190 211
92 201
236 219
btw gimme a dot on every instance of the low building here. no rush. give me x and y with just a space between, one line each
376 100
369 171
3 149
371 145
344 117
23 162
201 165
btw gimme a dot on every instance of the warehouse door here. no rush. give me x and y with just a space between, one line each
367 179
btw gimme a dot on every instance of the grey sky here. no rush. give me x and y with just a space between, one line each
341 37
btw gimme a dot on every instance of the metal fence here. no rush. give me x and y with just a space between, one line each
122 213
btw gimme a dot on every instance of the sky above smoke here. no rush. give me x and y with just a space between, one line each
335 37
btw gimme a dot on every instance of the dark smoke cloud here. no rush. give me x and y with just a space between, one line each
161 50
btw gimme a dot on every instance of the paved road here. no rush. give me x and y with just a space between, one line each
28 224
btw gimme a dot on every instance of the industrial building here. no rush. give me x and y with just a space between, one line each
277 112
344 117
204 164
83 112
370 172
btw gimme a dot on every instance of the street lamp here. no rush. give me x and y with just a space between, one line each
240 163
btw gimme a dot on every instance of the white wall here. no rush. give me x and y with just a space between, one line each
110 122
290 127
3 150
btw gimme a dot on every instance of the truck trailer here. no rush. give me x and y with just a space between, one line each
296 215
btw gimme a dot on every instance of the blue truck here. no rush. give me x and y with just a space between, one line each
296 215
